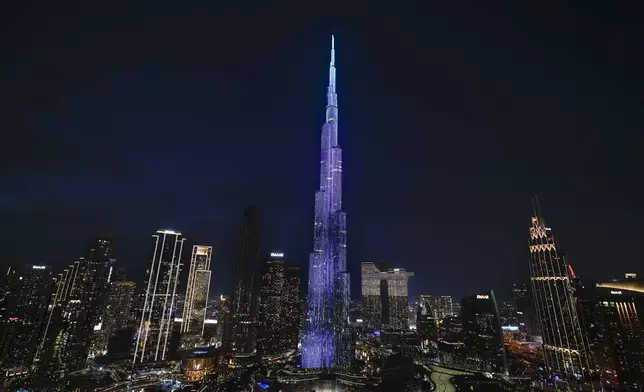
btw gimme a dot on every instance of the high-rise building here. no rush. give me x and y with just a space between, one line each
620 343
442 306
244 309
279 313
385 296
223 322
373 291
327 336
84 313
120 306
196 302
426 324
398 295
483 335
565 344
155 322
28 294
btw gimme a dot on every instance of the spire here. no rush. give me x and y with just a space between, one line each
332 100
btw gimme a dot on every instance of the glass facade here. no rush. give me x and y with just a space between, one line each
565 344
196 302
327 335
154 330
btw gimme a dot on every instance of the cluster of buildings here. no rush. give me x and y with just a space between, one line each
556 329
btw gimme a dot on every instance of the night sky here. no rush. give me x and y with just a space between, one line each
128 117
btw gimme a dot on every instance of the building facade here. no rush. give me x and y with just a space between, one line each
482 333
155 321
620 329
565 344
197 288
385 296
28 292
280 306
327 336
244 305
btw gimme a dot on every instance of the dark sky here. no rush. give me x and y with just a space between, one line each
130 117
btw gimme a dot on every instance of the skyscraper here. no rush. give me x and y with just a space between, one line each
280 306
385 295
86 305
565 345
120 305
620 345
153 332
244 309
194 309
30 289
483 335
326 341
372 293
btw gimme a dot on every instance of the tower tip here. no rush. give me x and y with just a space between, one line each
332 41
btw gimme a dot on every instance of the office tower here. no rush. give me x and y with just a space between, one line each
244 307
508 313
521 295
412 313
280 307
385 296
426 323
196 302
483 335
28 292
326 338
120 306
456 309
224 322
565 345
84 311
620 343
155 322
442 306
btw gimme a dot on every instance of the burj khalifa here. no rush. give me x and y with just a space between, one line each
326 341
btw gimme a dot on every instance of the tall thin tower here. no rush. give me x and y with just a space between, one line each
565 344
194 309
244 311
326 340
154 329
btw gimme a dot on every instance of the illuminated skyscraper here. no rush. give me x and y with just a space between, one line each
244 310
620 345
385 296
194 308
280 306
373 290
565 344
29 292
327 335
442 305
152 336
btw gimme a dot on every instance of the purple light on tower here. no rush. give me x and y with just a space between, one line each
325 343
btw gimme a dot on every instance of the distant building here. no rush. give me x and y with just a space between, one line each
197 288
280 306
244 306
620 347
28 292
156 320
412 310
223 322
442 306
385 296
565 344
483 335
120 306
426 323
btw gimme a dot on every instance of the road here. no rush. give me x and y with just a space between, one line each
442 378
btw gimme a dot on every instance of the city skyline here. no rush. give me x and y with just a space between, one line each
443 121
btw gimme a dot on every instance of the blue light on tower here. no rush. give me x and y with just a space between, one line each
326 335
